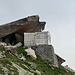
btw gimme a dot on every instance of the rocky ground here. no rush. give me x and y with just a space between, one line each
19 63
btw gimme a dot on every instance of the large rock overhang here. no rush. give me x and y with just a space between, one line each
28 24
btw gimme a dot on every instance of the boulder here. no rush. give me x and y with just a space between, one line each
31 52
28 24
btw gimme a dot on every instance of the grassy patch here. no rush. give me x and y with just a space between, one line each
2 48
43 66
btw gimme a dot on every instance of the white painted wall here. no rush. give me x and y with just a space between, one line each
41 38
37 38
29 39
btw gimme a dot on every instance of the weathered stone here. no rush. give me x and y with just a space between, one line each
31 52
28 24
19 38
13 33
60 60
45 51
3 43
11 48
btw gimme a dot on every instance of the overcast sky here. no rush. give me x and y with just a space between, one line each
60 21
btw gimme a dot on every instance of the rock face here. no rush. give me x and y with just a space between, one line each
28 24
60 60
31 52
13 32
47 53
37 38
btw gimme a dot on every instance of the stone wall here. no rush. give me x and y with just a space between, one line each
46 52
37 38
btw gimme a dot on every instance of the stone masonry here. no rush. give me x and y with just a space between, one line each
46 52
